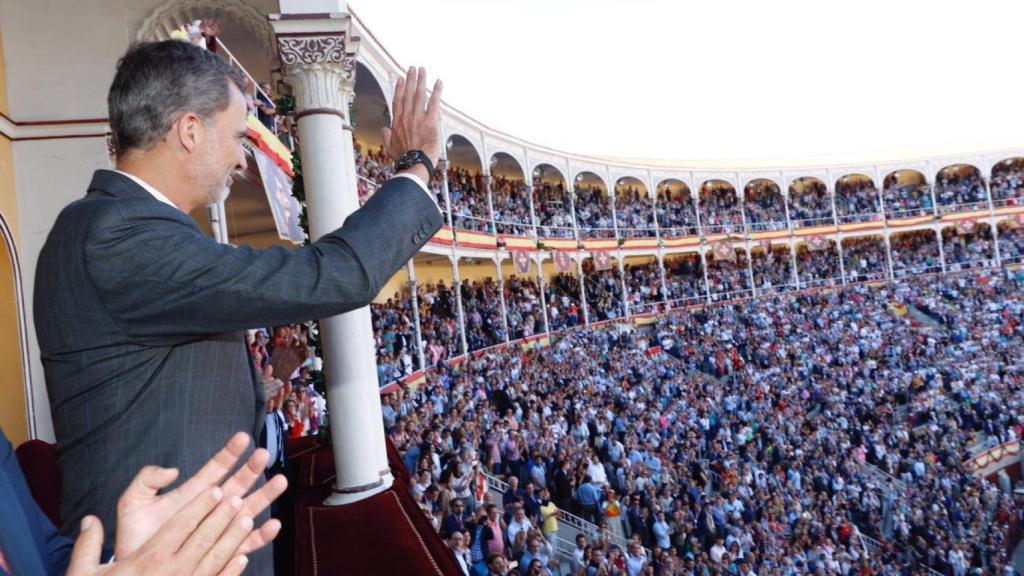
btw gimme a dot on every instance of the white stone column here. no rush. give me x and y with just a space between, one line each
317 52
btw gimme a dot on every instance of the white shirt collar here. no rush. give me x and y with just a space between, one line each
153 191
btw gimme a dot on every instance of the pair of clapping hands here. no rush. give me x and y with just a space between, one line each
203 527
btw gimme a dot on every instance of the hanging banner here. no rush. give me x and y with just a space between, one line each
817 243
602 261
522 260
723 251
563 263
284 206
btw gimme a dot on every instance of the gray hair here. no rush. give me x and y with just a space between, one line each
157 82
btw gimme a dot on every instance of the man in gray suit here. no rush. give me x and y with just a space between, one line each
140 315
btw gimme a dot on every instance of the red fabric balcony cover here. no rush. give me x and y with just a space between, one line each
38 461
382 535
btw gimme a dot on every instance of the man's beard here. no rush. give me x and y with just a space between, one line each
220 193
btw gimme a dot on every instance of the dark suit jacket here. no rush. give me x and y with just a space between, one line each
140 316
28 538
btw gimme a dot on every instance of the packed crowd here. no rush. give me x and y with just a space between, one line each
773 270
765 207
553 210
857 200
684 277
914 253
818 266
776 432
644 288
676 214
1011 243
908 199
285 359
720 209
634 213
468 197
728 279
594 213
864 259
511 206
1007 183
961 189
963 250
811 205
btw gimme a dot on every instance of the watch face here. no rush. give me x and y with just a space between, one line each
407 159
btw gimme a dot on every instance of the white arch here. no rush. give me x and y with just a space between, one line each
176 12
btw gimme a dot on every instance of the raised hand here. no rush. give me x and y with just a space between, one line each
141 512
412 126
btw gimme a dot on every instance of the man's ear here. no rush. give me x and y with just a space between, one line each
190 131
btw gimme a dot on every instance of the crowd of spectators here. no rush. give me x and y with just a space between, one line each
773 270
818 266
511 199
644 287
603 289
284 357
963 250
563 299
960 189
720 209
684 276
776 433
634 213
553 209
914 253
468 197
1011 243
481 306
676 214
728 279
864 259
373 168
765 208
594 213
811 205
1007 183
907 199
857 200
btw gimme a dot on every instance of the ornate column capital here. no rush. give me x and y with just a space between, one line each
318 58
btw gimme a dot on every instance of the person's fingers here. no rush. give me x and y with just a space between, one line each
259 500
209 533
226 547
243 479
409 99
146 484
398 101
176 531
434 104
216 469
421 93
260 538
85 557
235 567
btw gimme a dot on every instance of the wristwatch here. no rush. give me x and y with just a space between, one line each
414 157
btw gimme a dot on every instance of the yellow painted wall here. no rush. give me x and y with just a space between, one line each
13 412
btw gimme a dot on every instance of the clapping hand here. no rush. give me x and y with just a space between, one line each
141 512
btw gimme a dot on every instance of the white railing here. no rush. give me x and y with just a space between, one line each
566 520
883 477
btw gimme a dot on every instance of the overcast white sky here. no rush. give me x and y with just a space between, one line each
723 79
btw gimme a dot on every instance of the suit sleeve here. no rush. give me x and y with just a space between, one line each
58 548
160 278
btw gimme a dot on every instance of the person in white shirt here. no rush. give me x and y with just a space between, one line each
519 523
456 544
